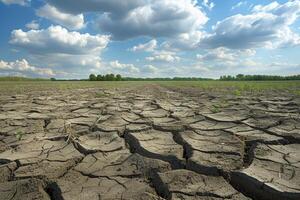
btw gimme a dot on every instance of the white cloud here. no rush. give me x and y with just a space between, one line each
239 4
116 67
274 68
56 39
184 41
209 5
267 26
163 56
32 25
22 66
148 47
58 48
267 8
127 69
19 2
150 69
222 54
123 67
74 66
70 21
133 18
4 65
116 7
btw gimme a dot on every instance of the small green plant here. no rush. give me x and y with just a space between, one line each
237 92
19 135
215 108
297 92
102 94
223 103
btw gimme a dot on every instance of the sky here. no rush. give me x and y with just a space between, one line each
149 38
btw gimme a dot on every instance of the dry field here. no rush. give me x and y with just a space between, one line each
149 141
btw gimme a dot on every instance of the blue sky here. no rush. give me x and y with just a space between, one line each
149 38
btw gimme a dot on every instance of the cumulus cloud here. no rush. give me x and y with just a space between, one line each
123 67
163 56
70 21
115 7
157 19
116 67
56 39
127 69
149 69
32 25
239 4
23 67
266 26
148 47
275 68
19 2
58 48
132 18
222 54
209 5
184 41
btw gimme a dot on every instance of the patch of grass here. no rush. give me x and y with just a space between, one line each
224 103
237 92
245 87
21 87
215 109
100 95
297 92
19 135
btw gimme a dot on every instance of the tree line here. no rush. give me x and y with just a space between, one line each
118 77
18 78
239 77
242 77
107 77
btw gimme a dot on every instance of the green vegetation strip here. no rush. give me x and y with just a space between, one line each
233 87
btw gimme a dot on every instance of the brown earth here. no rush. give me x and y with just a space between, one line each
149 143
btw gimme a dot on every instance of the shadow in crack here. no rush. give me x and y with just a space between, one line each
54 191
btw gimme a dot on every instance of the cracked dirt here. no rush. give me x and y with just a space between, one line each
149 143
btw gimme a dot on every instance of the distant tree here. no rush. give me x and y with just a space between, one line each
112 77
93 77
106 77
118 77
240 76
52 79
100 77
109 77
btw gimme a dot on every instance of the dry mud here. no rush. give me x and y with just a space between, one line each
149 143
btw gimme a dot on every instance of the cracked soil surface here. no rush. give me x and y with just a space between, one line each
149 143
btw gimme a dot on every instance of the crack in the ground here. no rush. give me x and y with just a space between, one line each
135 147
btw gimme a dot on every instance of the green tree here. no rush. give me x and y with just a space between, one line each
100 77
240 76
109 77
93 77
118 77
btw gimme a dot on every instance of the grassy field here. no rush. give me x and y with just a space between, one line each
27 86
237 87
240 87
